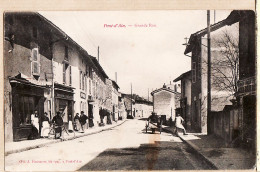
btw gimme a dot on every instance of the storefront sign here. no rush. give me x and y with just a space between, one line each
64 96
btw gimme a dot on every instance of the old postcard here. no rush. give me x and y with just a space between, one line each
129 90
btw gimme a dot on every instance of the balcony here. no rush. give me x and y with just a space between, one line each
247 86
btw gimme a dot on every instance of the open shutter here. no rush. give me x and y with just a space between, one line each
70 76
35 62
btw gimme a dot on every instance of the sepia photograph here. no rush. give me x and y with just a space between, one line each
129 90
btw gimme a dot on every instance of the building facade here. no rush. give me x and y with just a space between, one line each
165 102
185 100
220 95
46 71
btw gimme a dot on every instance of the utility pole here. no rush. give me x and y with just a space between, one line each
209 73
116 77
98 53
131 101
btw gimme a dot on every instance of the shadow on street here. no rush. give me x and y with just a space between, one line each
162 155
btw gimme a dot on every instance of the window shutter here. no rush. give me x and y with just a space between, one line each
35 67
79 79
64 73
35 62
70 76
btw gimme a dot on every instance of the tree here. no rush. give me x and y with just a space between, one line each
225 63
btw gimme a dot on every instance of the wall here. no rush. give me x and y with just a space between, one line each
143 110
77 64
19 60
164 104
199 87
225 124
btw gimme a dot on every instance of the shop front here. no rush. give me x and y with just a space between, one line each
64 102
26 99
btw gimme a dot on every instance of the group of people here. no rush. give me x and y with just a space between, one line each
81 123
41 126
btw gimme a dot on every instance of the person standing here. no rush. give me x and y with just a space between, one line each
178 123
83 121
45 125
77 123
35 121
57 122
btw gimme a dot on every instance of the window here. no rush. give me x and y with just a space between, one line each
183 89
90 87
80 73
35 32
86 82
193 71
66 53
90 73
35 62
70 76
199 67
65 67
94 89
83 81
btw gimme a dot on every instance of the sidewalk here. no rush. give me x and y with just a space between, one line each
214 151
15 147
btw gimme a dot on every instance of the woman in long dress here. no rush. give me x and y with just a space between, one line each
45 125
77 123
35 122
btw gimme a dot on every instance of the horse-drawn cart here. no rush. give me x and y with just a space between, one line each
154 122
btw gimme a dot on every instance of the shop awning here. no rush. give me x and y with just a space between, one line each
24 79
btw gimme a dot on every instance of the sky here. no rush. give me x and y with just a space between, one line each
147 52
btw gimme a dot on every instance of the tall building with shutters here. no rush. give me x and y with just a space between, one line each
47 71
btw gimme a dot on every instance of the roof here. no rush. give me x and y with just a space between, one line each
115 84
163 89
99 67
184 75
57 30
219 103
233 17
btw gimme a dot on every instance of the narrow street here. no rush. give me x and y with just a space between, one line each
126 147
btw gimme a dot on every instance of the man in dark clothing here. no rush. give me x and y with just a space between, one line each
83 120
58 122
